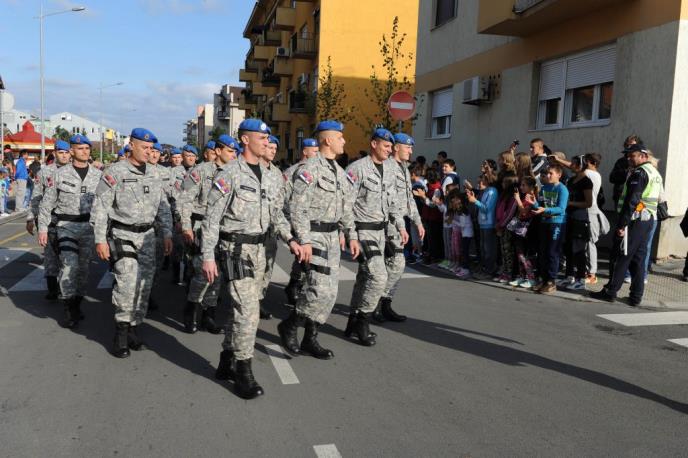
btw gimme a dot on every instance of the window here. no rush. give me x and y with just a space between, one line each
442 107
445 11
577 91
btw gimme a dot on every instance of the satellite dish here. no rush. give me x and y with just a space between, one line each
7 101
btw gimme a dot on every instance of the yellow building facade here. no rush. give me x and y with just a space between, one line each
290 45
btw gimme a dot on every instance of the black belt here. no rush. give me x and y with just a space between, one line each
243 239
197 217
370 226
73 218
324 227
138 228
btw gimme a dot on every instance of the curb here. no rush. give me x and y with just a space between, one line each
13 217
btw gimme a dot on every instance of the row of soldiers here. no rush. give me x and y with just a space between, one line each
231 210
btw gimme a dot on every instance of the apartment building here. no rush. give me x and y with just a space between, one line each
290 44
227 115
580 74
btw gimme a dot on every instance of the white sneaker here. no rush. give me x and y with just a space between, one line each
517 282
4 214
578 285
565 282
527 284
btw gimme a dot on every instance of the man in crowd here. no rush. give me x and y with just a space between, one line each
21 176
179 257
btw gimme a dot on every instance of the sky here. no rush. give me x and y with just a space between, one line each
171 55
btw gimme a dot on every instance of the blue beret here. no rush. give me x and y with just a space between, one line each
210 145
121 152
190 149
61 145
329 125
309 142
383 134
144 135
228 141
254 125
274 140
79 139
175 151
404 139
158 147
127 148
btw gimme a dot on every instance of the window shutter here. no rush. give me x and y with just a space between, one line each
591 68
442 103
551 80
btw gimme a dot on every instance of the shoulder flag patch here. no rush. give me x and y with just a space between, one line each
195 177
286 178
306 177
49 182
352 178
222 185
109 179
178 186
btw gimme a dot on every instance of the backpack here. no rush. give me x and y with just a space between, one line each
601 199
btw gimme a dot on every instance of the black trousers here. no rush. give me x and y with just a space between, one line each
633 261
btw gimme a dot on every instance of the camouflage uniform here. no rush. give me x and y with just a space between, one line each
166 181
127 205
44 178
296 277
374 208
275 188
240 211
177 176
406 207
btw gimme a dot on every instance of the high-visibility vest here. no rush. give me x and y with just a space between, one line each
650 197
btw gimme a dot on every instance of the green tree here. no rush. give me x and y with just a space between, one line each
61 133
330 99
216 132
397 65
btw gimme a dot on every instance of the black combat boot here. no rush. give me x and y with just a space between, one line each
121 346
378 317
70 319
133 339
191 317
152 303
208 321
176 273
53 288
388 312
288 333
224 370
264 314
359 324
310 344
244 382
77 308
291 291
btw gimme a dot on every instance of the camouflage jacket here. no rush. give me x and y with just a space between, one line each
44 177
193 197
68 195
404 202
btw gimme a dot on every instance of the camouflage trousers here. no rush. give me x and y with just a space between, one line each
395 264
51 260
200 291
242 323
270 255
75 245
319 292
371 277
134 269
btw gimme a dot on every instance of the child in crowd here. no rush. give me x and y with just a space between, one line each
417 182
462 234
432 217
506 209
447 226
4 190
486 219
551 205
449 175
518 227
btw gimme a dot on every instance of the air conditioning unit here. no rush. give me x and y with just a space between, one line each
303 78
282 52
475 91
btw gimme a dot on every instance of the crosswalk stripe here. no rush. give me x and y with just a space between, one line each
279 275
681 342
106 281
326 451
284 370
647 319
32 282
7 255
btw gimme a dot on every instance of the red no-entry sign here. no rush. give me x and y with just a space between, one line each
401 106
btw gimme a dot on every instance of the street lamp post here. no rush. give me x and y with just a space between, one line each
2 121
102 134
40 18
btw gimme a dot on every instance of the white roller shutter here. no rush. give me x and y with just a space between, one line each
551 80
442 103
591 68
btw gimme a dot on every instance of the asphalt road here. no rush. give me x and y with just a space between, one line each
475 371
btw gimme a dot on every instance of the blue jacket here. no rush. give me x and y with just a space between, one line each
487 205
21 172
555 199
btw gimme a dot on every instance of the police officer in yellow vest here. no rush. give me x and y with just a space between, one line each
637 209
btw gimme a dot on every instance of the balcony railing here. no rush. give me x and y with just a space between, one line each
270 79
272 37
285 18
300 102
303 46
251 66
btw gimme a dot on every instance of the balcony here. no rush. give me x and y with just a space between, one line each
272 38
300 102
263 53
521 18
223 115
285 18
280 113
245 75
260 89
270 79
282 66
250 66
303 46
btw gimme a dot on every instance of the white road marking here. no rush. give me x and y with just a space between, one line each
413 273
279 275
327 451
32 282
681 342
647 319
282 366
346 274
401 105
107 280
7 255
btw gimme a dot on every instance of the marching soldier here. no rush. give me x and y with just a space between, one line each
209 152
240 211
309 150
179 254
44 178
68 200
193 203
374 191
406 207
129 199
317 209
164 176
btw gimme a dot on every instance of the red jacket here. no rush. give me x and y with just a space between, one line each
432 213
